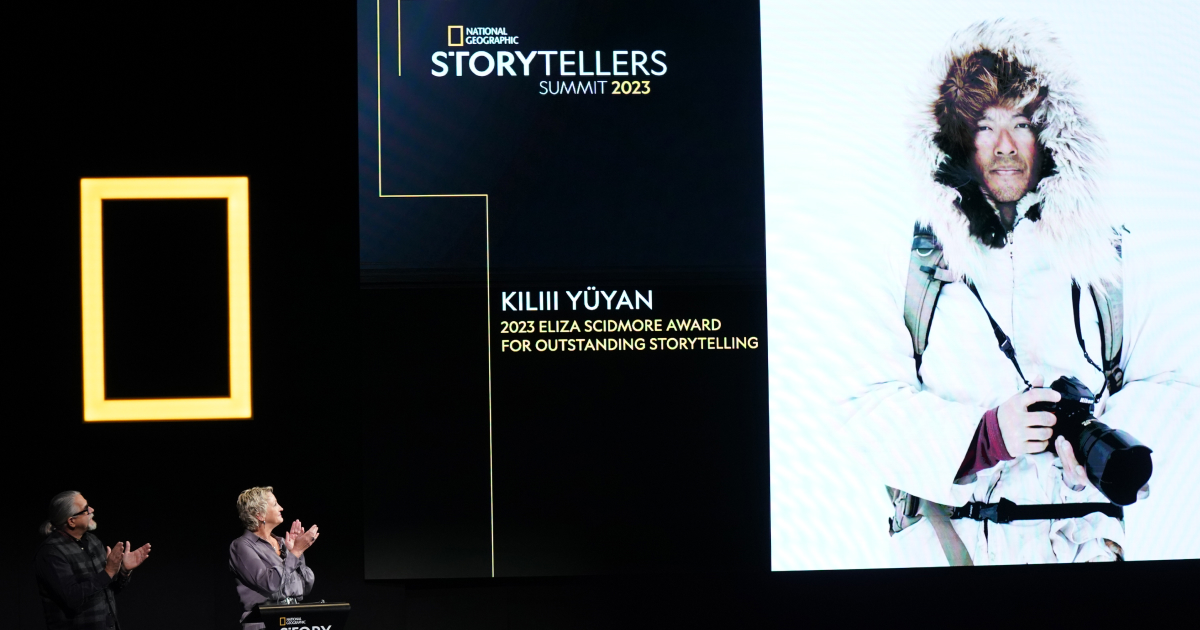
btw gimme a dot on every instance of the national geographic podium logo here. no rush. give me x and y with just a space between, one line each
479 35
298 623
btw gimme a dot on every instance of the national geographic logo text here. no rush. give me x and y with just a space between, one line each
298 623
479 35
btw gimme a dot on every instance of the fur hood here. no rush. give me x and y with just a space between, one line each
1075 228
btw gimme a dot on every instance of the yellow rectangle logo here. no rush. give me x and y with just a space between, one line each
92 193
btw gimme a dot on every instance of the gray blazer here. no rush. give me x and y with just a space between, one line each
264 576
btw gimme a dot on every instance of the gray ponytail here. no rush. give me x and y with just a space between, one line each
61 508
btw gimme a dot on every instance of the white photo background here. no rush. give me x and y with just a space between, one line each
841 85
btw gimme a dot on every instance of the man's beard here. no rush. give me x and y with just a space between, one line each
92 525
1006 188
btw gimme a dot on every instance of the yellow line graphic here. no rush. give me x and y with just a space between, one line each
487 258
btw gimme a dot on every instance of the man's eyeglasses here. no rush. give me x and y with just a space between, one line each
86 509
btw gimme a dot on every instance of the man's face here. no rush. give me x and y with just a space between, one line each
86 519
1007 157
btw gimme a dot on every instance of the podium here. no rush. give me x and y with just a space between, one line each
302 616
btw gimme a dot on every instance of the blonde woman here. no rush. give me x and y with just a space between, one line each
269 568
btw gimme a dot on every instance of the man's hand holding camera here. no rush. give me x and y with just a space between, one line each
1027 432
1063 413
1073 473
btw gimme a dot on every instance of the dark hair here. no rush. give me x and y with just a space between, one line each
974 83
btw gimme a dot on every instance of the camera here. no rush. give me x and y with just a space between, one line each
1115 461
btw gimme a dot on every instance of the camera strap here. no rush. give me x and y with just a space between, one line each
1006 511
1075 293
927 274
1001 338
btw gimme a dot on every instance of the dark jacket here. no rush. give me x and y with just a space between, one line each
76 592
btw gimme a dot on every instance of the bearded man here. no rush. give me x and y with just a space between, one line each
1009 160
78 577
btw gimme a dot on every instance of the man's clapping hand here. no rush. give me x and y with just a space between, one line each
135 558
297 539
115 556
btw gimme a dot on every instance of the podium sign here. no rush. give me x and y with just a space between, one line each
320 616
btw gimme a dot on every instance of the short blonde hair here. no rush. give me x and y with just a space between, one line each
251 503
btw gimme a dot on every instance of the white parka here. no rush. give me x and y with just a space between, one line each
917 433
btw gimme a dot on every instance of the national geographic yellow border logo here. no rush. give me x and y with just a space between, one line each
92 193
459 35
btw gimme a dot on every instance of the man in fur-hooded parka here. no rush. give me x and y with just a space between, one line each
1020 222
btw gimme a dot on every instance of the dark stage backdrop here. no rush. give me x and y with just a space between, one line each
224 89
268 91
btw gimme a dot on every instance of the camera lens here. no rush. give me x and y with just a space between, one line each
1116 462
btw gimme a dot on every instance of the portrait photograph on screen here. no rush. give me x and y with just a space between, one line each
982 283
